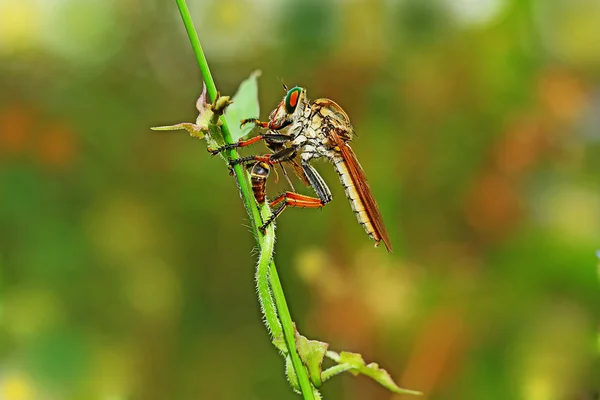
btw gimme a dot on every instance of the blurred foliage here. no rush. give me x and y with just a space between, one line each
126 268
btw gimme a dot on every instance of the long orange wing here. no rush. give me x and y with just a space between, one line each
364 190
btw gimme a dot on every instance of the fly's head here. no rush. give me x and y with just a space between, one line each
290 109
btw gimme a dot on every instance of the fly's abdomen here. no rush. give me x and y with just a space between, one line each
353 196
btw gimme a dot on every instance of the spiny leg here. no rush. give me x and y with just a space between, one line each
241 143
291 199
269 137
287 177
286 154
254 121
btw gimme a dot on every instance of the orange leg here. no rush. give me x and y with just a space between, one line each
241 143
291 199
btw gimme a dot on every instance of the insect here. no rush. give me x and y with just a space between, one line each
299 131
258 177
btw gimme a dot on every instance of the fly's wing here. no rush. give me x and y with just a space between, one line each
362 186
298 170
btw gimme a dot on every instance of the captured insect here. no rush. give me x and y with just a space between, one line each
259 172
299 131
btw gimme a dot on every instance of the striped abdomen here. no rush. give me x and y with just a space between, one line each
258 178
353 196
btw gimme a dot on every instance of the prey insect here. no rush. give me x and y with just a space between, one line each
258 177
299 131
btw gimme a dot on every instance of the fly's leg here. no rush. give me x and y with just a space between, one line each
317 183
291 199
254 121
268 137
286 154
241 143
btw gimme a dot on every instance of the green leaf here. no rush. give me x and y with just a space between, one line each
312 353
245 105
354 363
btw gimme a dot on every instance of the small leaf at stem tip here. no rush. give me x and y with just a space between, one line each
245 105
219 105
193 129
201 102
372 370
312 353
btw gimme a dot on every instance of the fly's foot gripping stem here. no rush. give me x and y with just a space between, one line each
218 150
263 227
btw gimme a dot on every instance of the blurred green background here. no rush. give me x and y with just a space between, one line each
126 263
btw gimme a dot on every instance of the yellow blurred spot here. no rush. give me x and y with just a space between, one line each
538 388
386 290
370 38
316 269
229 13
574 211
27 311
113 369
18 24
123 229
575 32
15 387
310 264
553 354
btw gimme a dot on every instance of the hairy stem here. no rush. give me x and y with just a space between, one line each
262 279
253 213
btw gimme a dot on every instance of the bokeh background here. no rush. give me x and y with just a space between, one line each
126 262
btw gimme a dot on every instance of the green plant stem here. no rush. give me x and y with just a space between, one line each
262 280
250 205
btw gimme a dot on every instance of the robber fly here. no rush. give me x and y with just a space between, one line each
299 131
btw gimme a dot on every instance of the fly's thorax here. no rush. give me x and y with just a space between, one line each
314 148
327 116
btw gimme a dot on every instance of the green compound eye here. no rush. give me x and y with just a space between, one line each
291 99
